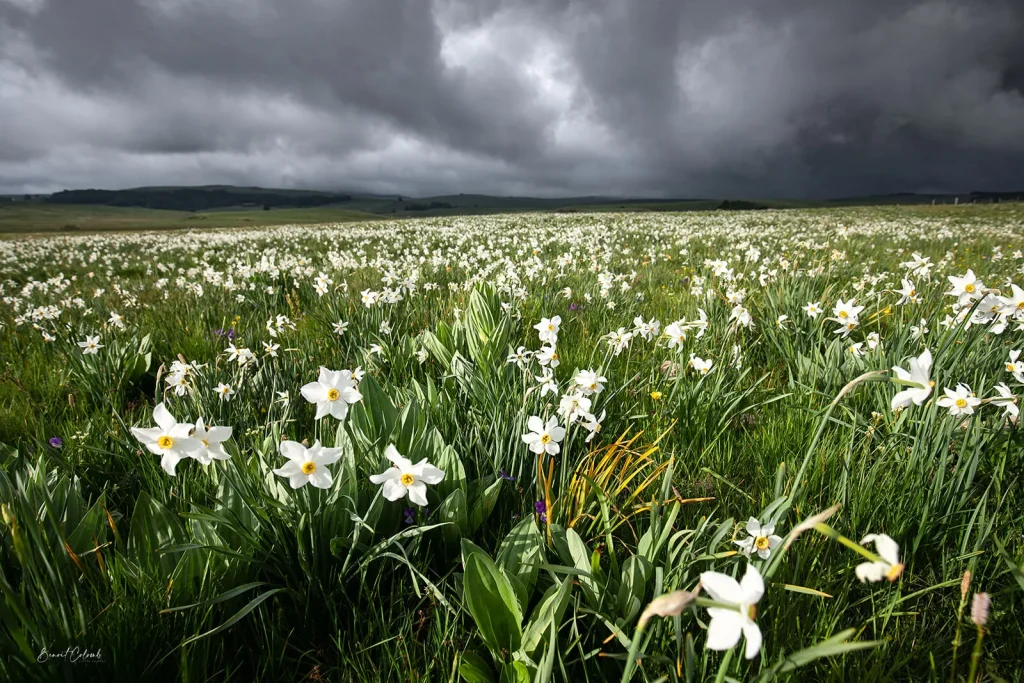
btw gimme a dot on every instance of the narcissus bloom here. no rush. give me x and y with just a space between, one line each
307 465
917 381
762 539
960 401
887 567
547 329
91 345
406 478
332 393
211 442
727 624
170 439
544 438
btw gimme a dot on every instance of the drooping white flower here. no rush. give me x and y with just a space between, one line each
547 356
762 539
1015 367
332 393
406 478
593 425
887 567
170 439
307 465
1007 400
728 624
544 438
917 380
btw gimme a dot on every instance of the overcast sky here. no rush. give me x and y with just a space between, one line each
683 98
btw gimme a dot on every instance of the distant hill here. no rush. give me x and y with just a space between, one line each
215 198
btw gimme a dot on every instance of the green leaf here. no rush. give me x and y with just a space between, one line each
492 602
153 527
636 572
474 669
453 510
516 672
238 616
521 552
834 646
580 558
546 615
482 501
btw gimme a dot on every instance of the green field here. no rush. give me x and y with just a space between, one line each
609 446
35 218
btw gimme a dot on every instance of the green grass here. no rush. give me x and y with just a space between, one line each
223 572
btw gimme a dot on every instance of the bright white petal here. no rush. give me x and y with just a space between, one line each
722 587
725 628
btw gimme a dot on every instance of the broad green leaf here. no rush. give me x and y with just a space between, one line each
492 602
474 669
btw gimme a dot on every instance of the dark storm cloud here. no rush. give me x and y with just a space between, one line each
652 97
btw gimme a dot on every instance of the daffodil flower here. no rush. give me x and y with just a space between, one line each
332 393
729 623
210 440
762 539
917 381
544 438
170 439
960 401
887 566
307 465
406 478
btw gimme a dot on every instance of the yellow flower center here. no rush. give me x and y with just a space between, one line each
752 612
961 403
969 289
554 356
308 467
762 543
165 442
551 328
333 394
1010 367
545 438
407 479
894 572
912 292
593 387
205 443
843 314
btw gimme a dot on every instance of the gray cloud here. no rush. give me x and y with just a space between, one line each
651 97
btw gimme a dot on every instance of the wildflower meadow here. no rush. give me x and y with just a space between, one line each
729 446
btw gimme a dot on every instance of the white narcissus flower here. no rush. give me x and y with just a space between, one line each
332 393
676 333
593 425
1013 366
917 380
590 382
960 401
812 309
211 442
91 345
407 478
224 391
170 439
307 465
547 356
888 567
762 539
547 329
728 624
966 288
1007 400
544 438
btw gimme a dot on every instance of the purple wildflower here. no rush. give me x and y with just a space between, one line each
541 508
56 442
410 516
501 473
